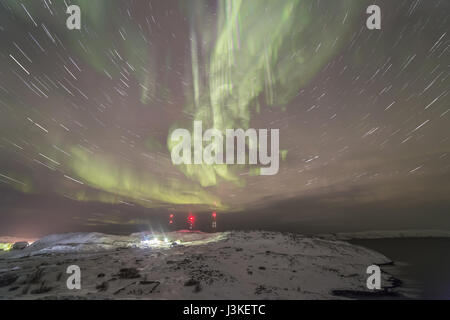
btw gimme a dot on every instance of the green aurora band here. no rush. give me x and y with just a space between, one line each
257 54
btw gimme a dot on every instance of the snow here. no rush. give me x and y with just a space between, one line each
228 265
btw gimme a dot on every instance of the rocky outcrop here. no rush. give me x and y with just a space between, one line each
20 245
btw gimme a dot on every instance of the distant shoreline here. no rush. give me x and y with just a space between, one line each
389 234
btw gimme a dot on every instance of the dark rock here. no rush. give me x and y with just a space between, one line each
129 273
152 285
20 245
35 277
191 282
395 282
198 288
102 287
262 289
7 279
26 289
42 289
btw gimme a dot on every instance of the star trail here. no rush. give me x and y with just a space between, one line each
86 115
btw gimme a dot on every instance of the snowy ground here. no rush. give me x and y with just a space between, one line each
229 265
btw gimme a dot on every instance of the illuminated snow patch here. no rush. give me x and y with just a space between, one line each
6 246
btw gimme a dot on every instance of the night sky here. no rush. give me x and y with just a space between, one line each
86 115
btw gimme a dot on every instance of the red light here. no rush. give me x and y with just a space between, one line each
191 218
214 214
171 215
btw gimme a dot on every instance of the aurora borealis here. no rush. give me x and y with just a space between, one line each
86 114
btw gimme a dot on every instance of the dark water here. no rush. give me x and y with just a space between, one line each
422 264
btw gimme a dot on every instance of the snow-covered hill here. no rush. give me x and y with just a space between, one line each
190 265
